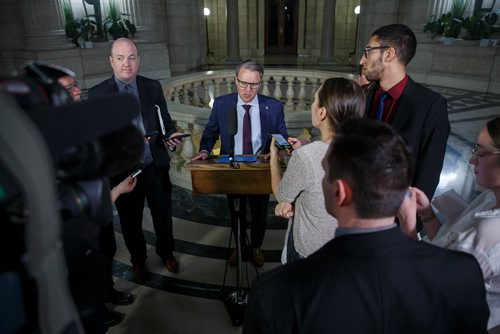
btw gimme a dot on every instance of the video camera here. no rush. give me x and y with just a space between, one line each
56 158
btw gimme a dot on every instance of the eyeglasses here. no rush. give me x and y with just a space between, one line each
367 49
244 84
121 59
72 86
479 154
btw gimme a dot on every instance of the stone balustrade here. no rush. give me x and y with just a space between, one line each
190 96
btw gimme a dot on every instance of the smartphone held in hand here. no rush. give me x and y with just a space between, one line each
136 173
281 143
179 137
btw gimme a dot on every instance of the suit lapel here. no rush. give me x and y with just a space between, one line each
369 98
405 105
143 100
264 119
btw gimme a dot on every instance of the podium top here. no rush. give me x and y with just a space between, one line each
211 177
212 164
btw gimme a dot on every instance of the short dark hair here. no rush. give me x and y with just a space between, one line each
342 98
250 64
375 161
399 37
493 128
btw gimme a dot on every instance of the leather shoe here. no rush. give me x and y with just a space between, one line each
113 318
257 256
139 273
233 258
172 265
121 297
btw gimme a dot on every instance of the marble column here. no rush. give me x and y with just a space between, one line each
233 40
143 15
328 33
44 25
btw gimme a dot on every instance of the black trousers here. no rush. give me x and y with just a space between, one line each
258 212
107 244
157 190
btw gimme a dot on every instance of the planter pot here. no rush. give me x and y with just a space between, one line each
484 42
88 44
448 40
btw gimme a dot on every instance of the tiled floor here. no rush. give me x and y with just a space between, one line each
189 302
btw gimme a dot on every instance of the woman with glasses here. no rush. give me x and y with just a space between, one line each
299 190
477 229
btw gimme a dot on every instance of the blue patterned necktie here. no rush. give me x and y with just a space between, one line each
380 107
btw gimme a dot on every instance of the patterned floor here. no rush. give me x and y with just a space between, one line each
190 302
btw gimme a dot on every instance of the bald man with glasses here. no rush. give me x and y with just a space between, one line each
257 117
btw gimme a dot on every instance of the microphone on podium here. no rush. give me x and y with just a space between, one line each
231 130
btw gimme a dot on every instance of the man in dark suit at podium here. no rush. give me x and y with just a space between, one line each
257 117
370 277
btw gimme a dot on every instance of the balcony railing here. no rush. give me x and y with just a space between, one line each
190 96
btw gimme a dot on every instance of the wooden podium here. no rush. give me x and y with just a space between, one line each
250 178
211 177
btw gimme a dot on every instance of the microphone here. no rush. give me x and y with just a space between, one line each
231 130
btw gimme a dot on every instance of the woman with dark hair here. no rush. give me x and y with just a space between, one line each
477 229
298 191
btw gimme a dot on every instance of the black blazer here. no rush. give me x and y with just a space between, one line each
150 94
381 282
421 118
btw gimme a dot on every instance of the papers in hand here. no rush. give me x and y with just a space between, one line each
450 204
160 119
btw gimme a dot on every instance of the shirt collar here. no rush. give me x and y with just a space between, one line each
253 103
357 230
396 91
121 85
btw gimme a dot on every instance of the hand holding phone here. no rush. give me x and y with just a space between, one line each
179 137
136 173
281 143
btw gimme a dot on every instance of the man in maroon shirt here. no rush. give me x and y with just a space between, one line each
419 114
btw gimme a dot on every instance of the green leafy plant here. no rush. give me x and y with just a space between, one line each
449 24
481 25
115 24
86 27
71 25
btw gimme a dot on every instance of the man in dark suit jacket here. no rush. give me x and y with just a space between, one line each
153 183
370 278
419 114
266 116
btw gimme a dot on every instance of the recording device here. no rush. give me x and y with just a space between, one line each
136 173
281 143
57 156
231 130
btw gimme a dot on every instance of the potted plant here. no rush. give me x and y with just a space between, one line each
86 27
115 24
481 26
71 25
450 24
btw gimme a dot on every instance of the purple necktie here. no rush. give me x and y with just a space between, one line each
247 131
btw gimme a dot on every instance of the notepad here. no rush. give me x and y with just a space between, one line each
238 158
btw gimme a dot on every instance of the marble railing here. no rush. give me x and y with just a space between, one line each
190 96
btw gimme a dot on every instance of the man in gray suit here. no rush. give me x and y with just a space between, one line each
370 278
